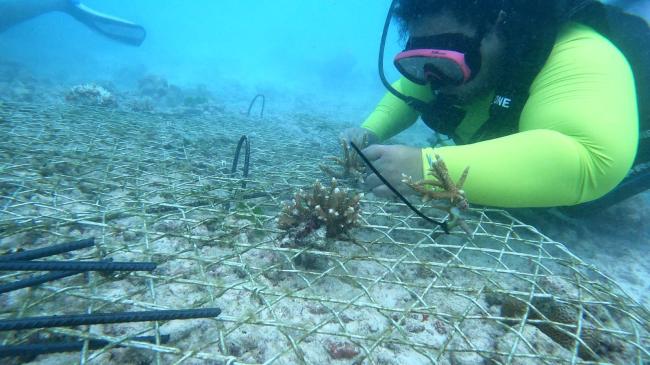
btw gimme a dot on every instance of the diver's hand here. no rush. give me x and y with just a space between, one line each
357 136
391 162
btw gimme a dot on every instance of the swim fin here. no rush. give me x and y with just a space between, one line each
118 29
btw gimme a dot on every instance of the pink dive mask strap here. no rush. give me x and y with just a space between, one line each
457 57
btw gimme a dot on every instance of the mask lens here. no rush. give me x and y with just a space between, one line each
437 71
413 68
447 59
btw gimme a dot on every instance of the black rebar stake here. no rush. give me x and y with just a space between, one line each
48 251
250 106
247 156
34 349
36 280
443 225
76 266
103 318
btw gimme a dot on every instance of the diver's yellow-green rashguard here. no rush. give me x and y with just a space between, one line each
577 137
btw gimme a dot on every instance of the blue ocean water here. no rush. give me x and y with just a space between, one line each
324 49
155 184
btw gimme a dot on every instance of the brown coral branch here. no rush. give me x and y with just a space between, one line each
332 173
431 189
352 167
443 188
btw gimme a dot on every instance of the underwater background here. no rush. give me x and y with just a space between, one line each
130 149
292 51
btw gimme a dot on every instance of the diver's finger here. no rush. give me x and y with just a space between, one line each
374 152
383 191
371 182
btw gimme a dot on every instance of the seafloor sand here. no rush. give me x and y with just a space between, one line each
156 186
616 240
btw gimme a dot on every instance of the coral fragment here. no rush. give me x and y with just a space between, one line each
443 189
352 167
333 208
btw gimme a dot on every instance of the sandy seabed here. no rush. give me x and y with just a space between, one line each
157 187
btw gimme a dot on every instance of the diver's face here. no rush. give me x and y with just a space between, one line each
491 54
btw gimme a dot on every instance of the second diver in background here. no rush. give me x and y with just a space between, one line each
13 12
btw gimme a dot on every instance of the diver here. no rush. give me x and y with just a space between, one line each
13 12
542 99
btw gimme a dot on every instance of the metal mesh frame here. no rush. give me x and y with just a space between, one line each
157 187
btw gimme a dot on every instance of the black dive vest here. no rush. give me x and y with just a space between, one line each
629 33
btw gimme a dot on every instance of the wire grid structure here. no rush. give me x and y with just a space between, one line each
158 187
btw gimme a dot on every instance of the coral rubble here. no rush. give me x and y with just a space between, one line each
156 93
18 84
352 167
142 105
153 86
91 94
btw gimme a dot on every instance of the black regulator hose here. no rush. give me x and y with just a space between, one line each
443 225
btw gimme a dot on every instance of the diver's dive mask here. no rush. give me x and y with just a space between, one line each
440 60
448 59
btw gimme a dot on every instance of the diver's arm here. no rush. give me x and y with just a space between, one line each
578 133
539 168
392 115
13 12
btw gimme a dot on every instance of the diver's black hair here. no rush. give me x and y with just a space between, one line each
475 12
483 13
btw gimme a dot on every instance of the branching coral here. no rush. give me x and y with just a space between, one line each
334 209
314 217
91 94
351 164
442 188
